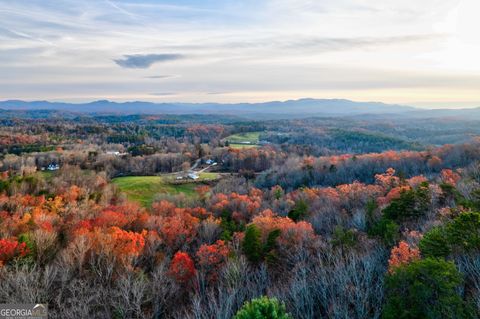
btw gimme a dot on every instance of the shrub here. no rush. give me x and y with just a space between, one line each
345 238
386 229
412 203
299 211
435 243
25 238
263 308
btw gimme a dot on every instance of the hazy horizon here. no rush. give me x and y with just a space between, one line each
418 54
426 106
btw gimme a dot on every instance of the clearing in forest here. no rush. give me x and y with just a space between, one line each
244 140
143 189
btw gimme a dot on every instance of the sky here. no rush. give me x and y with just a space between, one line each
415 52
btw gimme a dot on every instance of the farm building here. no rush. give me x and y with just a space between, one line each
193 176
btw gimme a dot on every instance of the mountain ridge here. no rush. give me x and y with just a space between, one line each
299 108
306 105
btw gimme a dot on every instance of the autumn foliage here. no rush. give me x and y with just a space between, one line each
233 236
11 248
182 268
212 257
402 255
292 234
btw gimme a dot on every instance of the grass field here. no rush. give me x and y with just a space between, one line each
232 145
243 140
48 175
143 189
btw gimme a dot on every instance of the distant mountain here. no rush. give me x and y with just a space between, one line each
268 110
297 108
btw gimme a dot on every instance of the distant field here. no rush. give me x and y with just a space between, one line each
48 175
232 145
143 189
244 140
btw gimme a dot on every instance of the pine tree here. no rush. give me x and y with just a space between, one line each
252 246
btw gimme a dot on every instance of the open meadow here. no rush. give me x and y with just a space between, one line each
143 189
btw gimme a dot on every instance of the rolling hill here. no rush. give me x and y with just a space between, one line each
267 110
296 107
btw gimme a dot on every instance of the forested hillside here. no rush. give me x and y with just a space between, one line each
149 216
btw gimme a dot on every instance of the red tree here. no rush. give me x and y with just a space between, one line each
11 248
182 267
212 257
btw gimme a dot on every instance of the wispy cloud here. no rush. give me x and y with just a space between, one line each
163 76
326 44
239 50
163 93
120 9
144 61
217 93
22 35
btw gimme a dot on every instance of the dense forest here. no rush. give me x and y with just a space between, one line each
208 216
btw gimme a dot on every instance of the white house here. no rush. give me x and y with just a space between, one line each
193 176
53 167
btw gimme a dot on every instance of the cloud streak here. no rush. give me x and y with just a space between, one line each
163 93
163 76
340 44
144 61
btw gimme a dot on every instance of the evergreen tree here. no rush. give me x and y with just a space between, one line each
252 246
425 289
263 308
